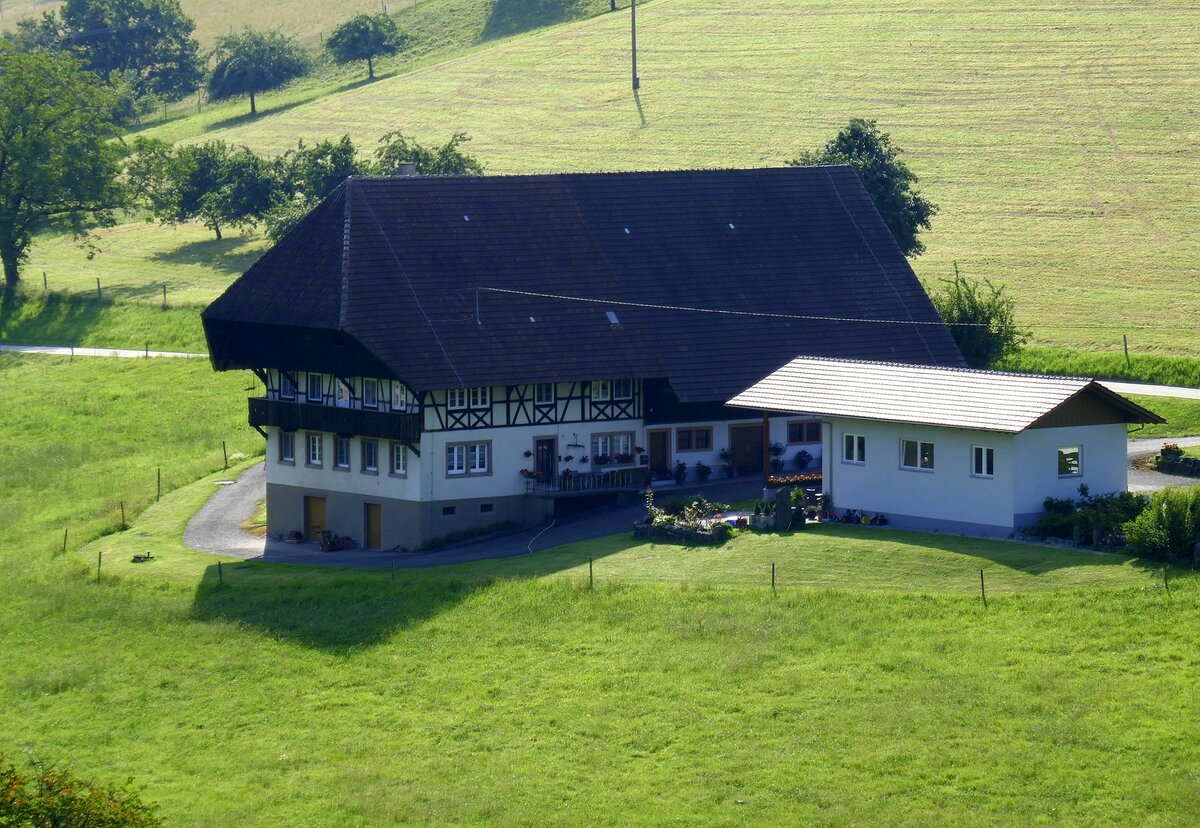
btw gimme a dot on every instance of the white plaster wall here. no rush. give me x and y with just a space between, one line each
948 493
778 427
370 485
1104 462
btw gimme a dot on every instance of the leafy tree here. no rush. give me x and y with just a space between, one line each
395 149
308 174
1170 527
57 162
886 178
213 183
50 796
365 37
253 62
981 318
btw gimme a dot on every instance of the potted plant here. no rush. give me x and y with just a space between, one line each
680 472
803 458
776 449
726 457
1170 451
703 471
601 460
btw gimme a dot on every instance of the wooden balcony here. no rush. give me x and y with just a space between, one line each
294 416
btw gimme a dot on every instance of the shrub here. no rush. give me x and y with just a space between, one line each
1169 529
54 797
703 470
1101 517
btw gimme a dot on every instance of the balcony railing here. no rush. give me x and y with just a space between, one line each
583 483
293 416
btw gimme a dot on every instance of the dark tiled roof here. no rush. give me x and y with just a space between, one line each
394 264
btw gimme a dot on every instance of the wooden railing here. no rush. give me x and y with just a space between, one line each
294 416
617 480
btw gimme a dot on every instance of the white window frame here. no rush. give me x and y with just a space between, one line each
540 397
1077 450
622 389
341 461
398 461
314 449
982 459
854 449
921 454
469 459
611 443
308 388
369 452
601 390
479 396
287 447
370 394
456 399
287 385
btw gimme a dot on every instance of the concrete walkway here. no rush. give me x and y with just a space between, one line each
215 529
1148 480
122 353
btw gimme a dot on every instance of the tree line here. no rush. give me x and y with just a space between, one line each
145 52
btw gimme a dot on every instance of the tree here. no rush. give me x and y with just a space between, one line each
396 149
308 174
253 62
365 37
57 162
213 183
50 796
981 319
886 178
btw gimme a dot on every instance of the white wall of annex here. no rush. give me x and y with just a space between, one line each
949 492
1104 462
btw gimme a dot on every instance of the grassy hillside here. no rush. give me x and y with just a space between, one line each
1060 142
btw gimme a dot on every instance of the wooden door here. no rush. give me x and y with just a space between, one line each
746 443
659 445
545 458
372 526
314 517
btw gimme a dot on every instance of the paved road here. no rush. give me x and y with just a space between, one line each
123 353
1144 480
215 529
1152 390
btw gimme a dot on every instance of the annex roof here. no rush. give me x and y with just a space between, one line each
712 278
926 395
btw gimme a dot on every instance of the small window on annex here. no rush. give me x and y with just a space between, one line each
399 465
287 447
693 439
916 454
622 389
370 456
314 388
480 397
315 447
287 385
370 397
341 452
983 461
854 448
804 431
1070 461
456 398
601 390
544 394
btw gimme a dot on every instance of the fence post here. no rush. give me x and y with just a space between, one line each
159 495
123 526
65 541
147 350
164 296
220 575
99 295
982 589
45 282
591 581
1125 339
99 559
225 452
772 577
1167 579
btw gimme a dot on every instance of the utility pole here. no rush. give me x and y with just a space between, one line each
633 38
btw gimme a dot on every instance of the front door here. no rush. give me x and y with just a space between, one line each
372 526
314 517
746 443
660 455
545 458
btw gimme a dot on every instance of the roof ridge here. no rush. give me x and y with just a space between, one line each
949 368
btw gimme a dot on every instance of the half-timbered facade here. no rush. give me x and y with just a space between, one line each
449 353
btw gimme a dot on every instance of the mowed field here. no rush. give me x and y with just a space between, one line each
1060 140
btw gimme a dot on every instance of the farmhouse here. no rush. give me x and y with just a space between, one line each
953 449
443 354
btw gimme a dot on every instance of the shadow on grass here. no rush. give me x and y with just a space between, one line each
512 17
225 254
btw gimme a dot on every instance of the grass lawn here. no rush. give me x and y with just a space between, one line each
1182 416
80 320
872 687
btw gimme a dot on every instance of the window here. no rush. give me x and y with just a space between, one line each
456 398
480 397
449 511
804 431
916 454
345 393
370 456
468 458
601 390
287 447
622 389
486 508
854 448
341 452
617 448
399 465
399 397
314 450
693 439
370 397
544 393
983 461
1069 461
314 388
287 385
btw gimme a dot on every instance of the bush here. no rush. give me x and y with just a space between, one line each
52 797
1169 529
1101 517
